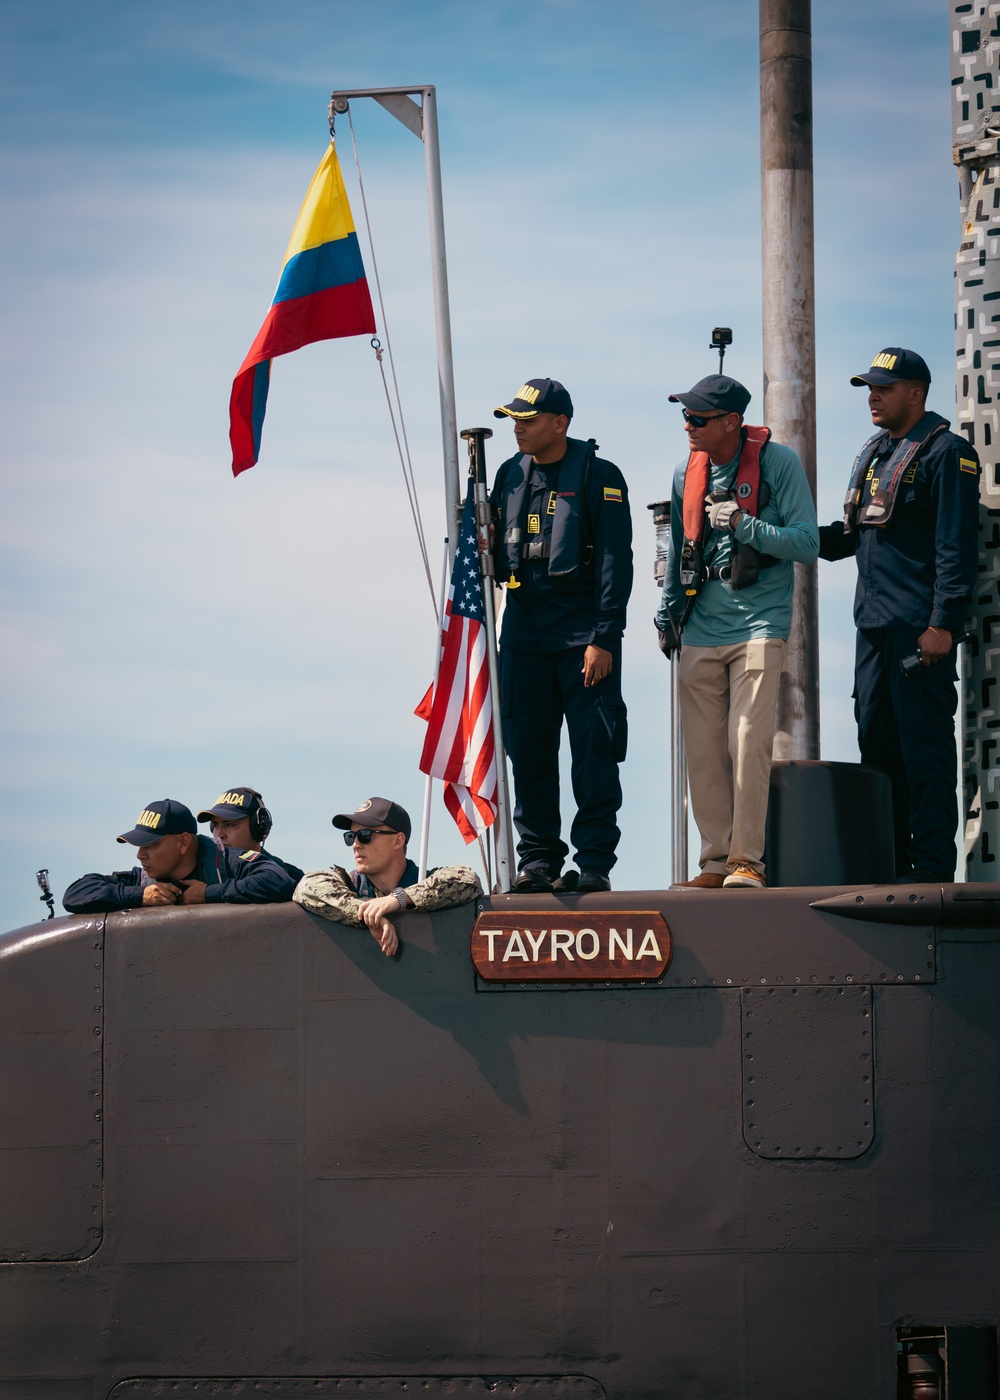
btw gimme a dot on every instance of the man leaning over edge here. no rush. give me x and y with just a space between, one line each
177 866
385 880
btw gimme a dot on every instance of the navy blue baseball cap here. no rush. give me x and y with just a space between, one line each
159 819
535 397
717 393
893 364
375 811
232 804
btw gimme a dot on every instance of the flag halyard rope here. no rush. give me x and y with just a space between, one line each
399 431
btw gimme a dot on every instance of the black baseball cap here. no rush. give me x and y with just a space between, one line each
232 804
715 394
375 811
893 364
159 819
535 397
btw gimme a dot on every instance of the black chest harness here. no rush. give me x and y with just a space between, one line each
878 509
569 548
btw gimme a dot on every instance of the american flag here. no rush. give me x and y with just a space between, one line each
459 745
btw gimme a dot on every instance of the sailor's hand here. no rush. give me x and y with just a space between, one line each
387 938
374 912
934 645
596 665
669 642
721 513
194 892
160 894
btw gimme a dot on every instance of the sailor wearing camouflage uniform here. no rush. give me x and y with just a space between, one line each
911 521
177 866
385 881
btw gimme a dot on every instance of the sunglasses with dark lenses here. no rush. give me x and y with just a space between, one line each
363 836
698 420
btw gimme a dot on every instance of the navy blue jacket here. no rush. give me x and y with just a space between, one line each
548 614
920 569
231 877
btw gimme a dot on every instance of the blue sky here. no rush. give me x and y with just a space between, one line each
168 631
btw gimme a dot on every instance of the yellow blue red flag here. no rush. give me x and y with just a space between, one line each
322 294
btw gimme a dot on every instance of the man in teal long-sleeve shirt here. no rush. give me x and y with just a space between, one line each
740 514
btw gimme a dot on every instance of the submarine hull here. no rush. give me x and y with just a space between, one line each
243 1152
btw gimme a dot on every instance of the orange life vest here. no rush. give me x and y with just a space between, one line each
694 518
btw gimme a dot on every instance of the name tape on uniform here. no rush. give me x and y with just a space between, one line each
563 946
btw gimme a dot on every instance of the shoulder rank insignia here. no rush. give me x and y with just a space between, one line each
249 855
967 465
612 493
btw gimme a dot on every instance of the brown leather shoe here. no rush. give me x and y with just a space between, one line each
707 880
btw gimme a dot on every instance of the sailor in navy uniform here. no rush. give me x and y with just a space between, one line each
562 535
177 866
911 521
240 819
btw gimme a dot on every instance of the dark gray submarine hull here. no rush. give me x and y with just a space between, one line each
242 1153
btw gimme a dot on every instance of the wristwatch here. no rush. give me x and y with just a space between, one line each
400 894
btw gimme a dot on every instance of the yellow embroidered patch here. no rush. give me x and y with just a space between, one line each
534 524
612 493
249 855
968 466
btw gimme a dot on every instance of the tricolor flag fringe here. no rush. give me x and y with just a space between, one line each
322 294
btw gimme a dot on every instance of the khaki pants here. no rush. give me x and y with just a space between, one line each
728 698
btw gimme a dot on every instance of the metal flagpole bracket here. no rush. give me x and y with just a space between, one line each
398 101
421 119
475 439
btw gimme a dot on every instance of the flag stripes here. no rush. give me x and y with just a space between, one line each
459 746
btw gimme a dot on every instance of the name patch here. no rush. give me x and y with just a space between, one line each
571 946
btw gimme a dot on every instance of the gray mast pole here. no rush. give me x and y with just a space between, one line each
442 321
976 127
789 322
421 119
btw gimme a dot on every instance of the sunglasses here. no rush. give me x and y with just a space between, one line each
698 420
363 836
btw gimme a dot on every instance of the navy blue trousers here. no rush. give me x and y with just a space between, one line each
906 728
537 693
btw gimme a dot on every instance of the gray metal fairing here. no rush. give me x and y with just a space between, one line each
308 1162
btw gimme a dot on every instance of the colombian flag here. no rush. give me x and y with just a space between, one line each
322 293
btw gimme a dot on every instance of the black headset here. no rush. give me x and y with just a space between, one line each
261 820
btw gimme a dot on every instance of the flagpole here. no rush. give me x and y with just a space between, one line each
421 119
475 438
425 824
442 318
